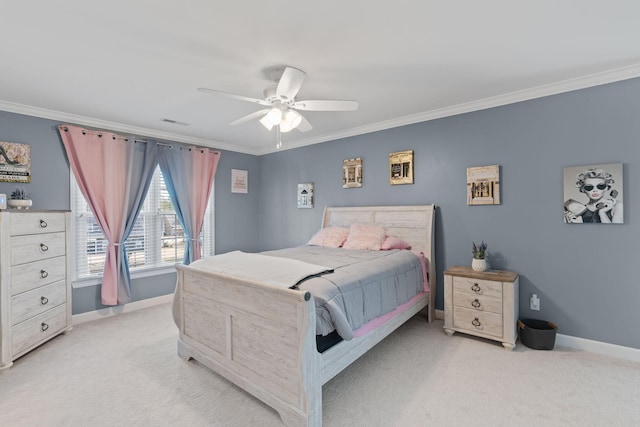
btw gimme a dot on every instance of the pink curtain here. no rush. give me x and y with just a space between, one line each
189 175
113 175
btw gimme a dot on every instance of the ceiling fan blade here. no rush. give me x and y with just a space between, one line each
234 96
290 83
249 117
326 105
304 125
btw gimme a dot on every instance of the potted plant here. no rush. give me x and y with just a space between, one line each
479 262
19 199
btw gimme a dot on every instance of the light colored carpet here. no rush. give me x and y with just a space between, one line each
124 371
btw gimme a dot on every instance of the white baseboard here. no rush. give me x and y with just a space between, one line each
120 309
599 347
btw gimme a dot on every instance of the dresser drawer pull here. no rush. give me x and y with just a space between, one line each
44 327
475 303
44 247
44 274
44 300
476 323
43 223
475 288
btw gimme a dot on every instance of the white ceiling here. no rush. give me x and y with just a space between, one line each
127 64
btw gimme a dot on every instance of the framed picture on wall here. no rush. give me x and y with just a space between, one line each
15 162
352 173
593 194
305 195
239 181
401 167
483 185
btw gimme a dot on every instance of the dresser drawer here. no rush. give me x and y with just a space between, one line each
477 302
39 273
37 222
487 288
36 301
36 247
477 321
38 329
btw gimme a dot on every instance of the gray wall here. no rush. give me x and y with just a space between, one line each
584 274
236 215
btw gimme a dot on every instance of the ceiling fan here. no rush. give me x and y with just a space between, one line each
281 103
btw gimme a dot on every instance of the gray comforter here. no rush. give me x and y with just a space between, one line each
363 286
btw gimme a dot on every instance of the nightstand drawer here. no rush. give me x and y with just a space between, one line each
36 301
487 288
477 302
38 329
477 321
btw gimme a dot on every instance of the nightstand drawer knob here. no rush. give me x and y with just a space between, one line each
44 300
475 288
475 303
476 323
44 274
44 247
44 327
43 223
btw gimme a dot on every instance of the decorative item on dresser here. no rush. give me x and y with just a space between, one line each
35 288
484 304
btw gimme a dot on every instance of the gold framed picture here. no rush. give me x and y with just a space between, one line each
352 173
483 185
401 167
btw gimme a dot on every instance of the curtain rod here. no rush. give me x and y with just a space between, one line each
144 141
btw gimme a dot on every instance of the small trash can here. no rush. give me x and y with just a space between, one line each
537 334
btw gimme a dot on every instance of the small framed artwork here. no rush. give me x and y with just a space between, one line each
15 162
239 181
305 195
593 194
483 185
401 167
352 173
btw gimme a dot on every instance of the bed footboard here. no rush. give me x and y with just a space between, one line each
259 337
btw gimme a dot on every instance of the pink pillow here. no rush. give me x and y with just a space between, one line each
330 237
365 236
393 242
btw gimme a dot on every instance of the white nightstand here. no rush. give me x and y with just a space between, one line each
484 304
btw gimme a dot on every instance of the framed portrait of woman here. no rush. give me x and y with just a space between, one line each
594 194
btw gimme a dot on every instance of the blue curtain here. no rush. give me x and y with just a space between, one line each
142 164
188 174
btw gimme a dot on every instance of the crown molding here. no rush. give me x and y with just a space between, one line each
119 127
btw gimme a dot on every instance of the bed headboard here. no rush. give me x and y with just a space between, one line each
413 224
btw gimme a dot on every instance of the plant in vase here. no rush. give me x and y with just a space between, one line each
479 262
19 199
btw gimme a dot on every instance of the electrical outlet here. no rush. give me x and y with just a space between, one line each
535 302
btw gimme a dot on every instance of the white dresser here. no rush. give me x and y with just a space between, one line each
484 304
35 287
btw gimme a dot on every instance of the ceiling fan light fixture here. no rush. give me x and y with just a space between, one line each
272 118
293 118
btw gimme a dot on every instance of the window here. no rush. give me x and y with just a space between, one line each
156 241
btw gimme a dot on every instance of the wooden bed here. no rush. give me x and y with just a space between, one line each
262 338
